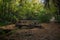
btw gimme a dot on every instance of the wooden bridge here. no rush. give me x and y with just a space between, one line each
28 23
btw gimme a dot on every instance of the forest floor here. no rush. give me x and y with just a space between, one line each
50 31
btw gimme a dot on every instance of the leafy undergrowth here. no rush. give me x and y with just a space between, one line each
51 31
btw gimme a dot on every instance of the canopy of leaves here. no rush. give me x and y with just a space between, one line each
14 10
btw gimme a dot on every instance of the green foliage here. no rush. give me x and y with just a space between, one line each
58 18
44 17
53 8
14 10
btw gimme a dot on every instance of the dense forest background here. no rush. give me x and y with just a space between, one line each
29 19
12 11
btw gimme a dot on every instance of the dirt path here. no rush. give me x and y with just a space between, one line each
51 31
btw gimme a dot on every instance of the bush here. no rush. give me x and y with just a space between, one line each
44 18
57 18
